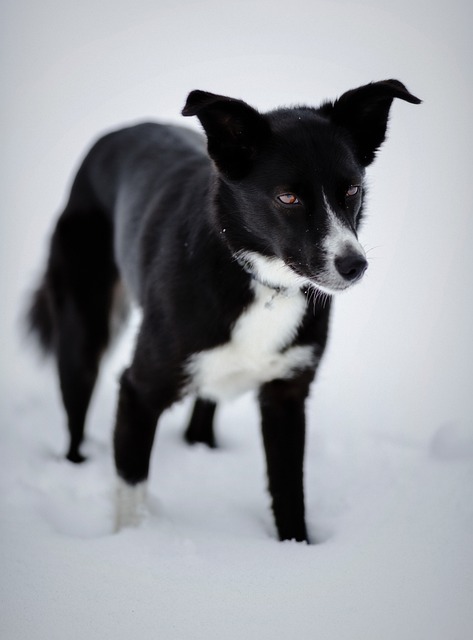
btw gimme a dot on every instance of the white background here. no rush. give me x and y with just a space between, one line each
389 460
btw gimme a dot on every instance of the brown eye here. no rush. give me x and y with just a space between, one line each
352 190
288 198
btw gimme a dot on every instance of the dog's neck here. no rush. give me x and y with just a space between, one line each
246 265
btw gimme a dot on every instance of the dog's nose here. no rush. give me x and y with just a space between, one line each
351 265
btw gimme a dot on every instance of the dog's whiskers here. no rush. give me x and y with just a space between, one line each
367 251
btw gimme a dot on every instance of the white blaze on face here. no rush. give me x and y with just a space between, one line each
339 241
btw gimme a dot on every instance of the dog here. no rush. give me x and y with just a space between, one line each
233 245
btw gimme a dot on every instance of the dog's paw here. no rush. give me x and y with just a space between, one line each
75 456
130 504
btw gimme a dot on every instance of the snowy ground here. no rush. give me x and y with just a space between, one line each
389 466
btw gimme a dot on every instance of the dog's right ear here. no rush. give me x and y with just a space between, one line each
235 131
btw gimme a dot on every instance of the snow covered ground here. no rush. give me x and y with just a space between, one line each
389 466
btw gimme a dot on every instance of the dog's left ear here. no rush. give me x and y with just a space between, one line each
234 130
364 113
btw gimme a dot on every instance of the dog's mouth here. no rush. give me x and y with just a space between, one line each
280 274
335 278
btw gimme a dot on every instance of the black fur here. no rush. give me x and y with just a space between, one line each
152 210
200 427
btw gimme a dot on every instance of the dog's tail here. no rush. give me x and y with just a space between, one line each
40 318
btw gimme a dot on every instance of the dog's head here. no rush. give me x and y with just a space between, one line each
291 182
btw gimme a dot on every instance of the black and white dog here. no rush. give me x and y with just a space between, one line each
233 249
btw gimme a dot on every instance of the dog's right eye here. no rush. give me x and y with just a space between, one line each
353 190
288 199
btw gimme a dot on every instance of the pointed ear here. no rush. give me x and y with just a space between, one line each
364 113
234 130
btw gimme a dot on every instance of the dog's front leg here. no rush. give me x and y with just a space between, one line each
133 440
283 424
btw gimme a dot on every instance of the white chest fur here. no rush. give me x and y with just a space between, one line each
254 353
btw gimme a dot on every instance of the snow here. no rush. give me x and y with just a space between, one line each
389 464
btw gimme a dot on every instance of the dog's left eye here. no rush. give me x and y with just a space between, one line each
288 199
353 190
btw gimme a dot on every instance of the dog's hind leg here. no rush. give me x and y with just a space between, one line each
80 280
200 429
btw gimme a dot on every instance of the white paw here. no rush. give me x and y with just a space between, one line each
130 504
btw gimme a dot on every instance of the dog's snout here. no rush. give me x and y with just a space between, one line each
351 265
